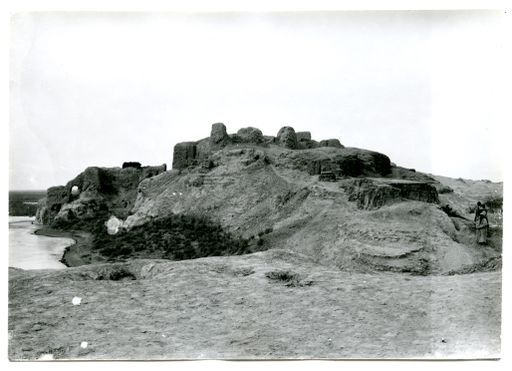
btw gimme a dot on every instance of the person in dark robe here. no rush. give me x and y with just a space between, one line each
482 227
478 210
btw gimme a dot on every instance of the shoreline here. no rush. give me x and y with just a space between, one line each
76 254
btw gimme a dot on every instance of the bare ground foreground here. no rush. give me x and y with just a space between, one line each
273 304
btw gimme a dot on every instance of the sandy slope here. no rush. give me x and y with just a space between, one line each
316 218
231 307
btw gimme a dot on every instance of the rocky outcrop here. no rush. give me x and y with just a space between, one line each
327 176
184 155
50 206
287 138
269 139
150 171
113 225
219 135
370 195
303 135
94 192
196 154
399 172
250 135
330 143
79 211
307 144
373 194
343 162
136 165
42 212
317 166
203 149
417 191
304 140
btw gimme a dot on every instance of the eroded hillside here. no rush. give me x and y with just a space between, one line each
344 207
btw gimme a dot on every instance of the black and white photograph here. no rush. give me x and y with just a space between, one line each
244 185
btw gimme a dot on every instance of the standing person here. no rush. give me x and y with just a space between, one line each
482 227
478 210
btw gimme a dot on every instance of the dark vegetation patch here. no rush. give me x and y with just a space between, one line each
448 210
177 237
117 274
93 224
259 237
289 278
107 182
24 203
443 189
493 204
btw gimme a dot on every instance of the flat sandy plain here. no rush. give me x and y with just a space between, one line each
267 305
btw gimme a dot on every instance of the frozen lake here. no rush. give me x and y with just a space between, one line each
30 251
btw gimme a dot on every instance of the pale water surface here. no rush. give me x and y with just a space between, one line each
30 251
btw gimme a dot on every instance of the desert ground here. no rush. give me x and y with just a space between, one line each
269 305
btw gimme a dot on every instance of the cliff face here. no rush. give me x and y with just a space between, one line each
375 193
94 191
345 207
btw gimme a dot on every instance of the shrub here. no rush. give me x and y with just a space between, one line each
494 204
290 279
176 237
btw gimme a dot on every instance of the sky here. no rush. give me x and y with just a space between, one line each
99 89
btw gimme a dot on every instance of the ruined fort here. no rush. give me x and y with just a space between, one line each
369 177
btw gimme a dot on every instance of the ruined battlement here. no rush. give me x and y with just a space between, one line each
193 153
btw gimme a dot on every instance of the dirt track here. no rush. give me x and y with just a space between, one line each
229 308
